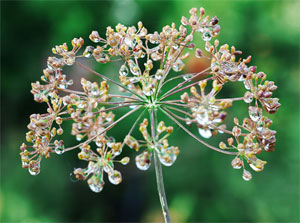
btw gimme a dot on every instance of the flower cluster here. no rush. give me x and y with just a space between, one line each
167 154
145 63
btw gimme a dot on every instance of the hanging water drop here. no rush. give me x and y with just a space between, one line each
248 97
206 36
178 65
247 175
125 160
255 113
69 60
115 177
142 161
159 74
123 70
95 184
206 133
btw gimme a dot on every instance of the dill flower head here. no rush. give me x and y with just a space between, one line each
146 62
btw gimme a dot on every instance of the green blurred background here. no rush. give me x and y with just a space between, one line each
201 186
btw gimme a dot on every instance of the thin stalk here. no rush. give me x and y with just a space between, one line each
204 73
158 171
181 89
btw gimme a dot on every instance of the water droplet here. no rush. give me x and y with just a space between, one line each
147 90
135 70
202 118
255 113
178 65
79 137
187 76
95 184
88 52
123 70
206 36
247 175
110 141
129 42
115 177
59 147
69 60
248 97
159 74
125 160
206 133
73 177
142 161
167 156
256 168
34 169
237 163
247 85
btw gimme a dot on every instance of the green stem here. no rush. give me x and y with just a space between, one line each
158 170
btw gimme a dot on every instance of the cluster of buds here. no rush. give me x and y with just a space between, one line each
148 61
207 111
167 154
100 162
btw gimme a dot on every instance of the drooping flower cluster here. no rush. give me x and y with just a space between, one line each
145 63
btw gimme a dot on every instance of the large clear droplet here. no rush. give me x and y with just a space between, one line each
206 133
115 177
123 70
125 160
255 113
95 184
88 52
247 175
247 85
206 36
248 97
34 170
237 163
159 74
142 162
69 60
135 70
167 157
178 65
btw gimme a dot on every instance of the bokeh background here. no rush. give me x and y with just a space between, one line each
201 186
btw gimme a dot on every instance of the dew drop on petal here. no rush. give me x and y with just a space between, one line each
206 133
123 70
115 177
255 113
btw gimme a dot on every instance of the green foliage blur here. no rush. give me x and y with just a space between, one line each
201 186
